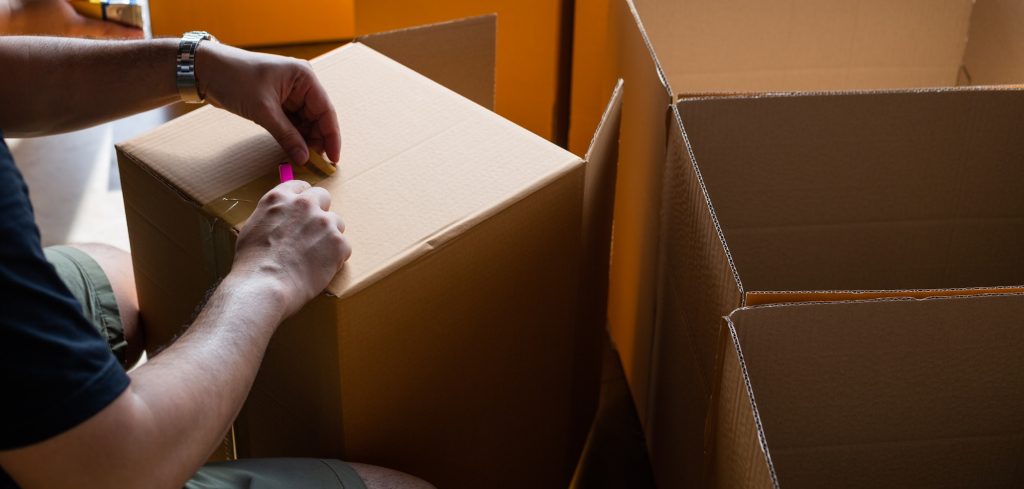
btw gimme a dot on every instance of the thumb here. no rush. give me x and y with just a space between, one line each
286 135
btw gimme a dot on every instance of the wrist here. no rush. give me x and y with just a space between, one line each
193 65
261 293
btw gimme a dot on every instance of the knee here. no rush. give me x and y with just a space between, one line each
117 266
382 478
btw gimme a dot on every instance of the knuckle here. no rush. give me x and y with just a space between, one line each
324 222
303 203
274 196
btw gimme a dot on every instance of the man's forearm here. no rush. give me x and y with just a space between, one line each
189 394
55 85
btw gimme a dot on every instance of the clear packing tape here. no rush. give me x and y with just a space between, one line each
127 12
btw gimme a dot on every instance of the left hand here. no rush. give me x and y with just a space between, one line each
281 94
59 18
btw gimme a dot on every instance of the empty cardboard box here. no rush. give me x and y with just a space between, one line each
878 393
452 344
670 49
793 198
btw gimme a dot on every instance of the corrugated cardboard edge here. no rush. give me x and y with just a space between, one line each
683 98
762 440
459 54
760 298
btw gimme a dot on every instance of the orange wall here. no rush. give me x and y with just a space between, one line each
256 22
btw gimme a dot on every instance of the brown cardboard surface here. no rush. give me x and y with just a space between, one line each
641 157
995 53
810 197
751 46
528 49
598 200
743 46
890 393
915 182
442 53
697 287
451 344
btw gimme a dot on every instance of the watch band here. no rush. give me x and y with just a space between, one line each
188 88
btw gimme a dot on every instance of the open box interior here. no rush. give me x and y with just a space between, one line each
865 192
880 393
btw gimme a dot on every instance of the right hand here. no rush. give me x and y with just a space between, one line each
293 243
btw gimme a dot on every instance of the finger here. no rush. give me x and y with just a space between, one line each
320 196
278 125
346 250
319 109
340 223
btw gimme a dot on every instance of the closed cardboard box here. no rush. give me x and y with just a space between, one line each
452 344
668 50
530 48
778 200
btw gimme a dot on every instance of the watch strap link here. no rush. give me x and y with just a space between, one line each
188 87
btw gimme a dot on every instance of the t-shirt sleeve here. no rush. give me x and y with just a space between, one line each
56 371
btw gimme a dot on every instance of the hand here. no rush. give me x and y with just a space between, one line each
59 18
292 243
281 94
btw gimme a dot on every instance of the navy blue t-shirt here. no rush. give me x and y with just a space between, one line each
56 371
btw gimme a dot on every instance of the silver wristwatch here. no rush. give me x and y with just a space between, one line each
186 79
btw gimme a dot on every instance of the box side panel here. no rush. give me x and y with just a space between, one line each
911 393
459 55
166 234
527 48
753 46
738 459
995 46
294 407
256 22
697 288
598 203
459 366
645 104
921 189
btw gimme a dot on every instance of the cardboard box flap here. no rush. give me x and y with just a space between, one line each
751 46
914 180
995 46
416 156
459 54
599 192
888 393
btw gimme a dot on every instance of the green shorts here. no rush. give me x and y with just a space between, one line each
90 285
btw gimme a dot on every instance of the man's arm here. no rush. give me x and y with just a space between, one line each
180 404
54 85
